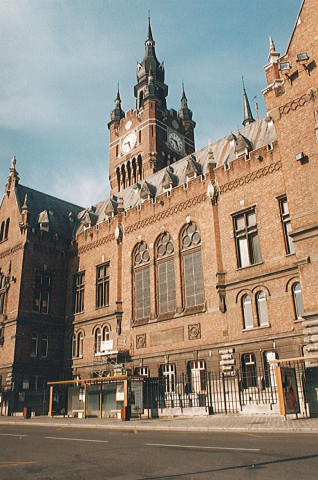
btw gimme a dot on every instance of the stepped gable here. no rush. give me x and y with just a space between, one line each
45 208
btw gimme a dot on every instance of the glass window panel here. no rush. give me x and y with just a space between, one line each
247 312
243 252
240 223
298 300
255 250
261 305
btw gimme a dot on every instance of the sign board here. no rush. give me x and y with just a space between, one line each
106 345
120 392
287 390
136 397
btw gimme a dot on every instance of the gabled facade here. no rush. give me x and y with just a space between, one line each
199 260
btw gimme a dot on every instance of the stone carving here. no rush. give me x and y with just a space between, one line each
194 331
213 191
141 340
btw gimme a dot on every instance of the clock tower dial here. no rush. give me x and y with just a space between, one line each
175 142
128 142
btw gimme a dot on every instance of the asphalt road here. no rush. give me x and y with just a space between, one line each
35 452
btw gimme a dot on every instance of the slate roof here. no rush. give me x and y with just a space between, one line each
256 135
42 206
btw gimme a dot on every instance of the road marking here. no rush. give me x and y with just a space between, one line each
61 428
12 435
77 439
203 447
251 435
15 464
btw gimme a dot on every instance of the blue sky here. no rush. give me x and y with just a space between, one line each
60 61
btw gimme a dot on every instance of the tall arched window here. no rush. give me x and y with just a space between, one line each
118 178
298 300
129 173
261 306
123 176
193 286
97 340
73 345
139 167
247 311
2 292
2 231
141 259
34 344
80 339
134 171
44 346
166 285
6 233
105 334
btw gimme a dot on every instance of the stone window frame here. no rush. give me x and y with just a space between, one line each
78 292
188 249
247 253
102 285
286 224
298 302
42 291
164 255
141 270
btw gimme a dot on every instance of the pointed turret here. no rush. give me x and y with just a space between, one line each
13 178
117 114
248 117
273 55
185 114
150 66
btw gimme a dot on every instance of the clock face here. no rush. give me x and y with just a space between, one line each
175 142
129 142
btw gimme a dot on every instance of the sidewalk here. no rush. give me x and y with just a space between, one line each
212 423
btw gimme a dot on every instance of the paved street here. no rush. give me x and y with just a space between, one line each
62 452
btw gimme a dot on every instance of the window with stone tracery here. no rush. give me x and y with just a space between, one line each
193 285
141 262
166 285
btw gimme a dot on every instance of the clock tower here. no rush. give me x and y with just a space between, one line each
147 139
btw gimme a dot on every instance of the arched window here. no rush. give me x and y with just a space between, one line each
98 339
73 345
80 339
247 311
134 171
44 346
139 167
105 334
141 262
123 176
166 285
34 344
261 306
2 231
6 233
249 370
193 286
118 177
298 300
129 173
2 292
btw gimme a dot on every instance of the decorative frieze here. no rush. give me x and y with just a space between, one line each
262 172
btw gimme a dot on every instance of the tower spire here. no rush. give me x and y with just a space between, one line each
117 114
248 117
273 55
185 113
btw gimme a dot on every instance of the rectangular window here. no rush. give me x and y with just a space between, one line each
79 284
285 217
168 373
193 279
246 239
42 289
102 285
142 293
198 376
166 287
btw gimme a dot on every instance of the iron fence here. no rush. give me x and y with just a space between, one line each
220 392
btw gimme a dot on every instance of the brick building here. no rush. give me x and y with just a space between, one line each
199 260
